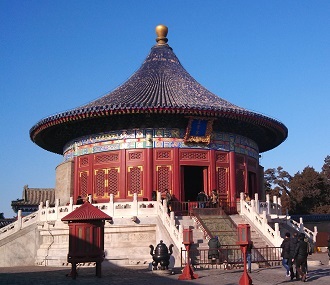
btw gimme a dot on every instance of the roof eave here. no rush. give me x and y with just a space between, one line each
230 113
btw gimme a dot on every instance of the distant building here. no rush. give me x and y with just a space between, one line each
31 199
4 222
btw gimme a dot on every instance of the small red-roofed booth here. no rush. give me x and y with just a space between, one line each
86 236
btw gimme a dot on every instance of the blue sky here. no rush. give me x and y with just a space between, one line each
271 57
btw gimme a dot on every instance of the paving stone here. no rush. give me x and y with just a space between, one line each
319 273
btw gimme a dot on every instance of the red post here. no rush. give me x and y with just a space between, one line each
245 279
244 237
188 272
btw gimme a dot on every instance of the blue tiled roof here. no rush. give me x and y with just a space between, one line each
161 81
163 87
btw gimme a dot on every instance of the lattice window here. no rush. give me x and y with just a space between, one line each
240 159
240 182
163 155
252 163
113 181
83 161
135 155
222 180
135 179
163 180
221 157
100 182
193 155
106 158
83 183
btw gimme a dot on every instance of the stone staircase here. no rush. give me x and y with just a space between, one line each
258 239
199 236
260 244
206 225
220 226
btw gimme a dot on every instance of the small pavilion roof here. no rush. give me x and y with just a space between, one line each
160 86
86 212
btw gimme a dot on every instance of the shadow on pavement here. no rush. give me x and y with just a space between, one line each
111 274
318 273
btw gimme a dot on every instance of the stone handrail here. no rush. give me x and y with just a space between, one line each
299 227
129 209
259 213
175 231
251 212
201 227
272 208
21 223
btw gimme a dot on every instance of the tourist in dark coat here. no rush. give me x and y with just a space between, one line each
300 256
293 245
249 255
202 199
80 200
214 246
286 253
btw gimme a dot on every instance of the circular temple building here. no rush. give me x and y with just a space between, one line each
160 130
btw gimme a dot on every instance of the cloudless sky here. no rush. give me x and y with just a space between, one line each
270 57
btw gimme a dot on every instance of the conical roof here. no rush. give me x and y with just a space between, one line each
160 86
161 82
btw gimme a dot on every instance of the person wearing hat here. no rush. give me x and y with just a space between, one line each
300 256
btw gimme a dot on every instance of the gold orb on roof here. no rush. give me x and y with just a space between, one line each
161 31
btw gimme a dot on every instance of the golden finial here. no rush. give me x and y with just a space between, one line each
161 32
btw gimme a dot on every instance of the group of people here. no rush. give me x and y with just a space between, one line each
295 251
205 201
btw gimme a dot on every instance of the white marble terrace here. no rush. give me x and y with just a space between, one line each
260 214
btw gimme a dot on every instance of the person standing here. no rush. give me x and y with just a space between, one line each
214 199
286 253
168 199
300 256
80 200
249 255
154 196
214 246
293 245
201 198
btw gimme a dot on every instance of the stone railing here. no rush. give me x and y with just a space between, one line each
250 209
126 209
175 231
301 228
273 209
202 228
261 213
21 223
